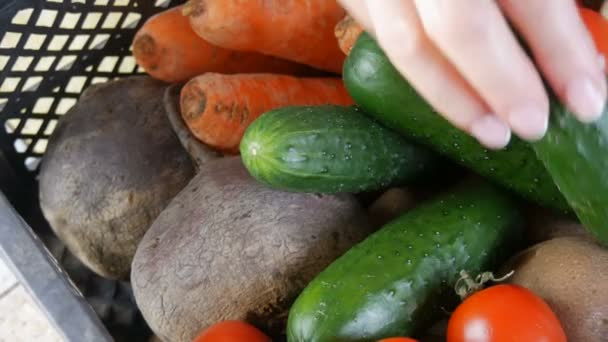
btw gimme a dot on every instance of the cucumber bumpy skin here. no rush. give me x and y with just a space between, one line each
400 278
378 88
576 156
330 149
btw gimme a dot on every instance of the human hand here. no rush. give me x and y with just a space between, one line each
463 58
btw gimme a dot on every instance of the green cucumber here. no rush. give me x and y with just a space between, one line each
329 149
576 156
400 278
379 89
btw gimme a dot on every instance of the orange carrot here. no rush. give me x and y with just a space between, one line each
218 108
347 31
297 30
169 50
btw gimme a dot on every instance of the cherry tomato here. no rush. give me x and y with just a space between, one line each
598 27
398 339
504 313
232 331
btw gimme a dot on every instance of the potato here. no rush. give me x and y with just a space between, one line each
111 166
571 274
228 247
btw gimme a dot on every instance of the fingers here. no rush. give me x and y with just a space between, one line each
358 10
463 58
564 51
399 32
475 36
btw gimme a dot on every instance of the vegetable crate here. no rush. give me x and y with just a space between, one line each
50 51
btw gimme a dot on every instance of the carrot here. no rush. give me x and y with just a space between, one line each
218 108
167 48
597 26
347 31
296 30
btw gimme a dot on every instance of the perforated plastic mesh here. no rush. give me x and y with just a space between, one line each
49 52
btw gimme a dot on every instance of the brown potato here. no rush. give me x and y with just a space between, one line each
111 166
228 247
571 274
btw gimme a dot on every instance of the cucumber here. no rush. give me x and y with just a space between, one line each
400 278
575 154
329 149
378 88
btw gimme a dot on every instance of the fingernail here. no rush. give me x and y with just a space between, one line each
601 61
491 132
529 122
586 99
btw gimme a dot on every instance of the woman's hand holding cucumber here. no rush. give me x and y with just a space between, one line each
465 60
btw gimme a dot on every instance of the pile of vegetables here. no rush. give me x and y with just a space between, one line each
274 177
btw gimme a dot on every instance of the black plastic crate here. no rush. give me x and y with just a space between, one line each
50 51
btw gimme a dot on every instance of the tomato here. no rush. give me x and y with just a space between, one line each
504 313
398 339
598 27
232 331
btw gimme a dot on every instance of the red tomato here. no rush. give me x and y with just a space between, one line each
598 27
504 313
232 331
398 339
